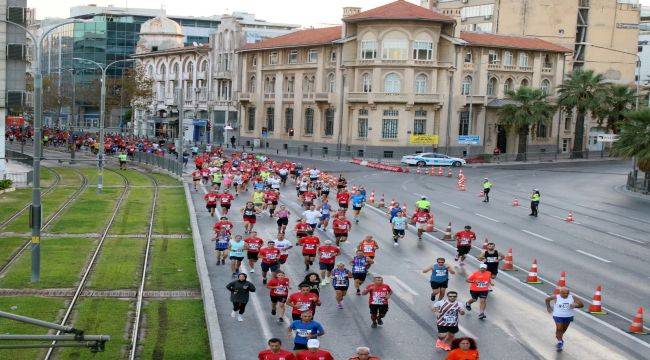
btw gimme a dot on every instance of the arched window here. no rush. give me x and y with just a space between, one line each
190 67
366 83
163 71
176 70
507 86
523 59
368 47
548 64
252 84
150 70
524 82
204 65
290 81
331 83
466 87
308 85
309 121
394 46
420 84
269 85
392 83
492 87
546 86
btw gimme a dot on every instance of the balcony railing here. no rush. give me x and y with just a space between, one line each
322 97
245 97
426 98
289 95
269 96
308 96
496 66
547 70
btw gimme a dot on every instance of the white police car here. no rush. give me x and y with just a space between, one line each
432 159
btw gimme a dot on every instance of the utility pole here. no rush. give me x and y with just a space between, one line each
35 210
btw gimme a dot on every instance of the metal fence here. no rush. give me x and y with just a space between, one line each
394 155
169 163
637 183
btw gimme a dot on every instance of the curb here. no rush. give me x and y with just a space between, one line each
212 321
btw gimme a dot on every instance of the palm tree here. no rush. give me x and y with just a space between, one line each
582 91
619 99
634 139
529 107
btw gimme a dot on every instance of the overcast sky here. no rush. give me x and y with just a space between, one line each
303 12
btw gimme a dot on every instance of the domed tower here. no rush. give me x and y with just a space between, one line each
159 33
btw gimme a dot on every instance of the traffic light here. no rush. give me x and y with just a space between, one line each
291 132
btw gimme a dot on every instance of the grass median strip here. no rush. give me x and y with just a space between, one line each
89 213
110 178
69 177
175 330
61 263
133 216
172 216
37 307
166 180
118 266
136 178
172 265
100 317
9 245
13 201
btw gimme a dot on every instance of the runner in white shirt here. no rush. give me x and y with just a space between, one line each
312 216
563 311
448 311
284 245
274 182
313 174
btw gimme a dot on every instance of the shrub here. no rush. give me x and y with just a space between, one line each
5 184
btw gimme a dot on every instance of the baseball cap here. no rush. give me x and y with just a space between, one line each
483 266
313 344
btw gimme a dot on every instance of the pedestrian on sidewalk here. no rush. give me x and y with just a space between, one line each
240 290
534 203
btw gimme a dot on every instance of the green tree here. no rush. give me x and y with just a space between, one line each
55 95
530 107
618 100
134 89
582 91
634 139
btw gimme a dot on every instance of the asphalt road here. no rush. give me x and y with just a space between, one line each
608 245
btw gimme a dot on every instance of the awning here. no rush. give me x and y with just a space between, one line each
161 120
499 103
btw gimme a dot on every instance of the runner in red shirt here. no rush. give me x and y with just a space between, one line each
421 218
464 240
314 352
226 200
270 259
302 301
308 198
211 201
310 245
205 174
326 259
271 198
341 227
301 228
368 245
279 286
275 352
196 178
198 161
343 198
223 223
252 247
378 300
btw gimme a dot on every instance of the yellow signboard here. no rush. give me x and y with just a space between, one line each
423 139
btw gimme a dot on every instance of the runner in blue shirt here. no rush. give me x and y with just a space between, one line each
221 246
357 203
325 210
341 281
399 226
360 264
393 212
305 328
236 248
439 278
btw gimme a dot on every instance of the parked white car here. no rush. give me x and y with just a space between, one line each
432 159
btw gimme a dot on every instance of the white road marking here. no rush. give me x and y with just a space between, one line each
454 206
625 237
485 217
401 284
537 235
593 256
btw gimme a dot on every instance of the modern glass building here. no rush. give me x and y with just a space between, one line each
110 34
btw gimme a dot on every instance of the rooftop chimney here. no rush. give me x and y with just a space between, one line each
350 10
429 4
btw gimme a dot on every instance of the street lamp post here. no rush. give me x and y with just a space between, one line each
35 210
102 111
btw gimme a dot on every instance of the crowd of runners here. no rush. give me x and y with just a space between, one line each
328 202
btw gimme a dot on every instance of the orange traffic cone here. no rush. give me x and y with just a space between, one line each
532 274
461 185
596 304
430 226
440 172
560 283
449 174
570 217
432 171
447 236
382 202
485 244
405 169
371 199
508 265
637 323
460 174
419 170
515 202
